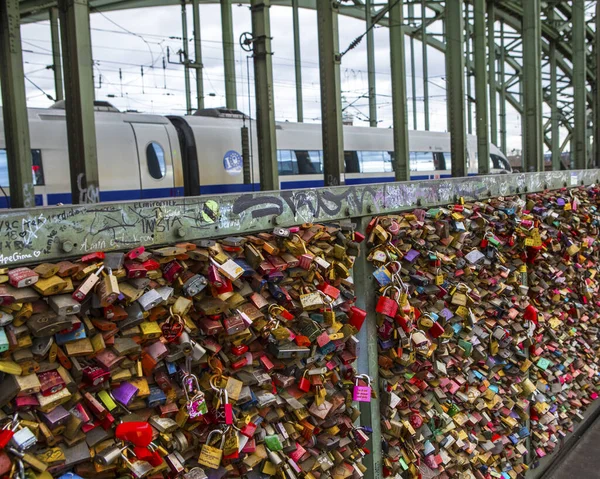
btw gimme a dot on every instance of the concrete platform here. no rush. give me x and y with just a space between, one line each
583 460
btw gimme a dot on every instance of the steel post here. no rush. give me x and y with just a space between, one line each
56 61
263 87
503 142
371 66
469 65
579 84
198 66
491 21
186 59
425 63
297 62
228 54
481 85
455 86
79 100
413 80
554 119
14 107
400 110
596 160
367 357
533 154
331 98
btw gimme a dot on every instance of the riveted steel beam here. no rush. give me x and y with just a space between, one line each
455 86
491 26
263 87
481 86
331 98
579 84
532 85
185 49
124 225
371 65
401 160
596 160
14 107
297 61
425 60
79 100
198 66
56 60
228 54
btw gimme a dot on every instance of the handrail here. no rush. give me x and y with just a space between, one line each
46 233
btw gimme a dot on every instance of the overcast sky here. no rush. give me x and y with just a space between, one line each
129 41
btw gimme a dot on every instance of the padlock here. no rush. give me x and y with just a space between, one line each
22 277
386 305
211 456
88 284
195 404
362 393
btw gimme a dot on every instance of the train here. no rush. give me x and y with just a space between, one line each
144 156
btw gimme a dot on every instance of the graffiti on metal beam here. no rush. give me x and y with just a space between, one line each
54 232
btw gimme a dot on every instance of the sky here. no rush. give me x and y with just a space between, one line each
132 48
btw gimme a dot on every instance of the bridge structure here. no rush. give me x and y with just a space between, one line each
539 57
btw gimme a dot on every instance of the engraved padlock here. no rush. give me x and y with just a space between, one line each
362 393
211 456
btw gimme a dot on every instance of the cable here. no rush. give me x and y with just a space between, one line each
354 43
47 96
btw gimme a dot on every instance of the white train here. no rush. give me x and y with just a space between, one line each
151 156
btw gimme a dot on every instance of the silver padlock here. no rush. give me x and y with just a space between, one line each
194 285
5 318
114 261
198 351
109 455
195 473
23 439
150 299
64 304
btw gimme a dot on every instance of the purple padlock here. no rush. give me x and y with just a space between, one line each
55 418
411 255
125 393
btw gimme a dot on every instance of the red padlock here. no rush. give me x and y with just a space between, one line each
386 305
138 433
436 330
249 429
304 384
145 454
357 317
329 290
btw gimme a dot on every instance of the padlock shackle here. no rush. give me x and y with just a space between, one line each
364 377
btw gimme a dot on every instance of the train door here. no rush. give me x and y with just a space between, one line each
155 160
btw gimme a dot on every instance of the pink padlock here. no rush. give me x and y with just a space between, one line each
362 393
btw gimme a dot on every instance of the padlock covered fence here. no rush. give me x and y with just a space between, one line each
466 307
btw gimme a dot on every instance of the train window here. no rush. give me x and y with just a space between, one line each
309 162
351 161
286 161
155 158
421 161
445 161
498 163
375 161
36 168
